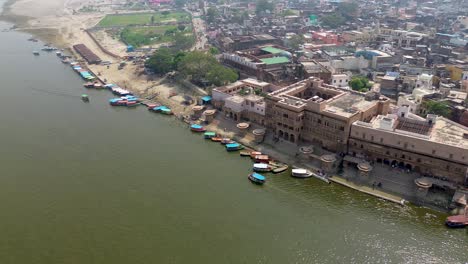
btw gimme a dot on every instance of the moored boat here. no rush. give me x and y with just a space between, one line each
36 53
280 169
262 158
457 221
209 135
257 178
132 103
261 167
234 147
245 153
225 141
197 128
216 139
89 85
301 173
254 153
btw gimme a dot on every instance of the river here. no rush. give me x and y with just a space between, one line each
88 183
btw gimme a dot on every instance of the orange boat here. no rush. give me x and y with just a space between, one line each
216 139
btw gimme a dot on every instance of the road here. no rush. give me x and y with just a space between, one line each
199 29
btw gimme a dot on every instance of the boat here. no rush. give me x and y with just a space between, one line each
151 106
254 153
257 178
301 173
280 169
36 53
117 102
216 139
261 167
85 98
88 85
245 153
225 141
262 158
234 147
321 177
97 86
197 128
457 221
209 135
132 103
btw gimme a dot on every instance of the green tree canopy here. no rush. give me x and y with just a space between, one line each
295 41
220 75
162 61
183 41
440 108
333 20
211 14
360 83
180 3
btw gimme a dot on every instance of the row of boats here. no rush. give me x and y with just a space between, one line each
262 163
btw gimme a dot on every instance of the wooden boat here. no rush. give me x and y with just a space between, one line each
197 128
216 139
321 177
209 135
280 169
301 173
166 111
89 85
117 102
245 153
97 86
225 141
254 153
262 158
261 167
85 98
457 221
234 147
257 178
132 103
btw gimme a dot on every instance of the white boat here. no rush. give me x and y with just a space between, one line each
301 173
321 177
261 167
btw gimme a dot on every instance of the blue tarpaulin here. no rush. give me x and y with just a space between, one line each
206 99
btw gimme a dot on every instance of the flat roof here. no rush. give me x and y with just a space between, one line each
450 133
275 60
348 104
272 50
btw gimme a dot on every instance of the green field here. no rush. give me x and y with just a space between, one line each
141 36
143 19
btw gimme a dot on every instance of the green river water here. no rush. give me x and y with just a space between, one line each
88 183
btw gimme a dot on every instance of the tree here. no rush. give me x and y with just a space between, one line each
263 6
152 19
182 41
295 42
440 108
360 83
348 9
214 51
211 14
333 20
181 27
220 75
196 64
162 61
165 13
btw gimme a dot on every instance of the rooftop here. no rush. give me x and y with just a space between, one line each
348 104
272 50
275 60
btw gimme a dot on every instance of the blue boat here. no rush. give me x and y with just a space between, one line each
234 147
257 178
197 128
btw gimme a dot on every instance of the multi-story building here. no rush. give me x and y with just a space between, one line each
434 146
242 100
315 112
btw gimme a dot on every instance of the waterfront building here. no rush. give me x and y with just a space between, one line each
312 111
434 146
242 100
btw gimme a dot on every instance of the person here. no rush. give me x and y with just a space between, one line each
379 185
